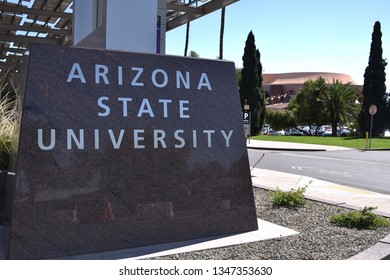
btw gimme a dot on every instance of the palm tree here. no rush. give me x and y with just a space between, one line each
221 33
340 104
187 37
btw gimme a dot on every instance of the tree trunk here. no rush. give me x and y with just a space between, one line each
334 128
187 39
221 34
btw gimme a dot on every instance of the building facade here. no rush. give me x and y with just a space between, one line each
281 88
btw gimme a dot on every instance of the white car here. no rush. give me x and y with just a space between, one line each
345 132
387 133
327 131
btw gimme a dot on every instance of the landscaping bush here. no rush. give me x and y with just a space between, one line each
8 119
363 219
292 198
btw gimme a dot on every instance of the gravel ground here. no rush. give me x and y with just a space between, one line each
318 238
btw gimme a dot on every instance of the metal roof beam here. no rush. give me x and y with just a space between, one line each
184 8
208 8
14 50
35 12
12 58
35 29
28 39
10 65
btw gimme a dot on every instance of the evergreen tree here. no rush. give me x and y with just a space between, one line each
262 92
250 83
374 88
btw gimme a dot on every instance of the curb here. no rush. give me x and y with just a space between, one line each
287 149
379 251
373 150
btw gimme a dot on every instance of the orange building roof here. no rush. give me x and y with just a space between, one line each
302 77
286 82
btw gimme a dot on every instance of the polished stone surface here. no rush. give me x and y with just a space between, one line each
3 180
120 150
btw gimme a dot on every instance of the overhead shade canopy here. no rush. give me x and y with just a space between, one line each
50 21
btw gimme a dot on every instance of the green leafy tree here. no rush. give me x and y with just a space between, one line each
340 104
262 92
318 103
250 88
280 119
374 88
308 105
238 75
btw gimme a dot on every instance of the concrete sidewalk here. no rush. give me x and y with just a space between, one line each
317 189
323 191
334 194
288 146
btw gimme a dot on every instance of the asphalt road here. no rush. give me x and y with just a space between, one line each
354 168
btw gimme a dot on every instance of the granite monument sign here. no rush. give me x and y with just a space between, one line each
120 150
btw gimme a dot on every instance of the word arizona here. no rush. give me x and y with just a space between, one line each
137 76
138 138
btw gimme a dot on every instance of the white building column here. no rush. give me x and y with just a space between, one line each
161 25
136 26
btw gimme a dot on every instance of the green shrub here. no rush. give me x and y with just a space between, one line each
292 198
363 219
8 120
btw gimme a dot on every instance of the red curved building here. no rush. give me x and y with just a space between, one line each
280 88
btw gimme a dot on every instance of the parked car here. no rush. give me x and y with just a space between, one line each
325 130
294 132
345 132
265 129
387 133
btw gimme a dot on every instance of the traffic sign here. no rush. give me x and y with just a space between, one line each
246 117
373 109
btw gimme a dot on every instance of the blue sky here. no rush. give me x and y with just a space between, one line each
293 35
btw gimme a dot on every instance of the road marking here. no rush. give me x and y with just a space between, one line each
296 167
338 159
322 171
348 189
334 172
